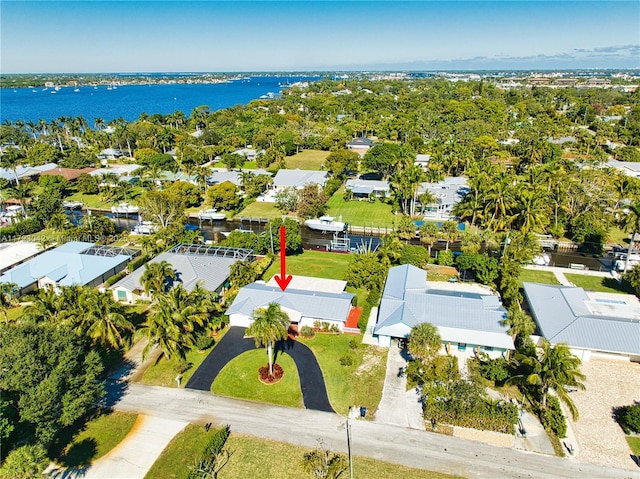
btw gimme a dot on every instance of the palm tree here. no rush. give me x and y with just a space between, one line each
21 192
7 297
631 222
520 323
424 341
428 234
11 159
269 325
324 464
550 367
45 308
58 222
156 276
104 320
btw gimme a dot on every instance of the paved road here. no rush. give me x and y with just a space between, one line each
394 444
314 392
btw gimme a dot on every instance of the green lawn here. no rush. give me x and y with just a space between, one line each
533 276
180 454
239 378
307 160
634 444
360 213
359 384
94 201
598 283
256 457
98 436
260 210
319 264
164 372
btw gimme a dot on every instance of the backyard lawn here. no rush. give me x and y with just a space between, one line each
307 160
257 457
96 438
319 264
360 213
602 284
260 210
634 444
239 379
534 276
359 383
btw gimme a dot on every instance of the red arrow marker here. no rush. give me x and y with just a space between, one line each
283 280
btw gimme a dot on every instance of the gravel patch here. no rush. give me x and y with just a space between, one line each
610 383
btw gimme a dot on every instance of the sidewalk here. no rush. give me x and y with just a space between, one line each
398 406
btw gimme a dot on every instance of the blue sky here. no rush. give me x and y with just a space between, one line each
137 36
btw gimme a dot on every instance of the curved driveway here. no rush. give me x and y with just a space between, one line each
314 392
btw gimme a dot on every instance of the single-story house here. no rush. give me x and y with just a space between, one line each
306 300
191 264
123 172
12 254
597 324
629 168
70 174
562 140
422 160
364 188
25 171
448 193
360 145
111 154
234 176
468 322
171 177
249 153
298 179
72 263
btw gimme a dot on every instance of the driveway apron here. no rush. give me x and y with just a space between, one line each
314 392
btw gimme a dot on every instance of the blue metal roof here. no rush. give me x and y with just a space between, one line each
563 316
66 265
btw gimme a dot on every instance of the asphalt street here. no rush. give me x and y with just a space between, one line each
394 444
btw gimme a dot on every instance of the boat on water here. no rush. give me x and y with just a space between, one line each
543 259
124 209
326 223
211 214
73 205
145 228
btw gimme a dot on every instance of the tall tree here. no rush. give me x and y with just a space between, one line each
269 325
424 341
550 367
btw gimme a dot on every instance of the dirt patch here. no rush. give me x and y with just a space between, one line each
368 362
610 384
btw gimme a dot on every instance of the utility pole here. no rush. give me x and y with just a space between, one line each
349 443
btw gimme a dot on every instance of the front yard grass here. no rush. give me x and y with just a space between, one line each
96 438
239 379
180 453
534 276
256 457
358 384
164 371
319 264
361 213
634 444
307 160
602 284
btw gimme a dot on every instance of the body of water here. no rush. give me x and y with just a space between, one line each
129 101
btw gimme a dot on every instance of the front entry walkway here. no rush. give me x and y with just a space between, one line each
398 406
314 392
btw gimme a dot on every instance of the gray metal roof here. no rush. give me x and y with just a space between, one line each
460 316
213 271
372 185
563 315
320 305
299 178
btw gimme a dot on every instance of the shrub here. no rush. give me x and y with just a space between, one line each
325 325
316 324
494 369
353 344
204 341
334 328
115 278
552 417
306 332
346 360
445 258
629 418
25 462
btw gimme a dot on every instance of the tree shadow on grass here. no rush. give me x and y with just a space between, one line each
80 453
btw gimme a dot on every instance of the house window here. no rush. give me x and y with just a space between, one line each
488 348
462 347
